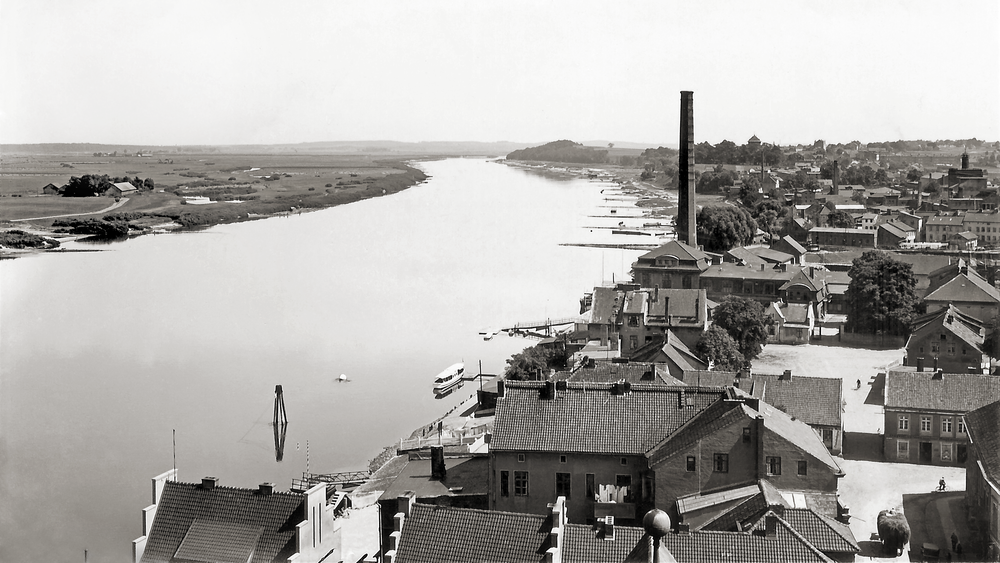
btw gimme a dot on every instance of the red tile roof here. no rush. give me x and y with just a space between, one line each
437 534
191 509
954 392
786 545
588 544
589 417
984 432
813 400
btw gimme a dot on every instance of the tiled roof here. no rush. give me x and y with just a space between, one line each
182 504
965 287
964 327
677 249
735 271
672 304
589 417
893 230
797 433
435 534
125 186
795 313
823 532
610 372
716 417
743 254
954 392
752 508
984 431
813 400
793 244
218 542
588 544
802 278
945 220
607 303
770 255
467 472
786 545
706 378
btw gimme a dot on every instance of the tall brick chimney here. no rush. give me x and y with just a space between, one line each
965 161
685 173
836 178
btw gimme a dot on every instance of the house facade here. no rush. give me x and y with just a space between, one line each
964 288
982 476
924 413
948 338
583 441
831 236
674 265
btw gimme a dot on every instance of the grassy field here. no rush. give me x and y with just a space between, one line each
276 182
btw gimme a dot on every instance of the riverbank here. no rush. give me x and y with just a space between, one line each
197 206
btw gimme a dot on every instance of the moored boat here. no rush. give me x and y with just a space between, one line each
449 378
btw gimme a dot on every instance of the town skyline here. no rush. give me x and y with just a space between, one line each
523 73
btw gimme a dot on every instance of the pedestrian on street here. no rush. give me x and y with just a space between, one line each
941 484
954 541
859 384
958 549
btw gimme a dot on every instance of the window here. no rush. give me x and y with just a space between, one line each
691 463
563 484
946 452
686 282
505 483
520 483
925 424
802 466
828 437
951 348
562 459
903 449
722 463
935 348
520 458
746 434
591 488
904 422
961 425
946 425
773 465
633 320
633 342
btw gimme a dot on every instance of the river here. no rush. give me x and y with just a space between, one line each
105 356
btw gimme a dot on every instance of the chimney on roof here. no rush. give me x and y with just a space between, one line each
500 389
265 488
965 161
758 439
974 369
209 482
548 390
438 470
609 527
561 385
939 374
836 178
771 526
684 528
787 376
920 364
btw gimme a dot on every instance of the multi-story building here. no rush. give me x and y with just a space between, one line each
985 225
674 265
982 475
924 413
626 318
962 287
950 339
831 236
940 228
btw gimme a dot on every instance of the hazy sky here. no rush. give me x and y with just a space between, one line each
263 71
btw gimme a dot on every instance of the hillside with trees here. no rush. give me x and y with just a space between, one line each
562 151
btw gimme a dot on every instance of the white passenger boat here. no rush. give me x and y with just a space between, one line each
449 378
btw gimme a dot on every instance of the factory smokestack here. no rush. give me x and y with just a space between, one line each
836 178
686 197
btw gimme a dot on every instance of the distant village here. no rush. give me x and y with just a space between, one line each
645 447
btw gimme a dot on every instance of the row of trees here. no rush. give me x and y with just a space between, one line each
90 185
561 151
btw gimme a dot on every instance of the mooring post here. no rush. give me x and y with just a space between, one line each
279 406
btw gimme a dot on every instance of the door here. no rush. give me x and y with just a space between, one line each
962 453
925 452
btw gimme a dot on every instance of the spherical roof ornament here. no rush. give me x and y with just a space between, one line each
656 523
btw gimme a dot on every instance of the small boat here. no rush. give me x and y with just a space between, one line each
449 378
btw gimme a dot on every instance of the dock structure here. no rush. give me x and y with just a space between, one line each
332 480
531 329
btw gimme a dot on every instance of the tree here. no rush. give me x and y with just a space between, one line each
720 350
913 175
527 363
750 192
840 220
769 215
746 322
880 297
721 227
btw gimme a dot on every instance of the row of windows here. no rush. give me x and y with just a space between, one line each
564 484
926 423
721 464
563 459
947 451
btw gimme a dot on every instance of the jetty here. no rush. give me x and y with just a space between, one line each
532 329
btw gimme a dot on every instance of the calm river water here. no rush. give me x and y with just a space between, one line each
104 354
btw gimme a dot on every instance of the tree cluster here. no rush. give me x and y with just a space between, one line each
561 151
528 363
90 185
738 335
880 296
103 228
727 152
722 227
715 181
